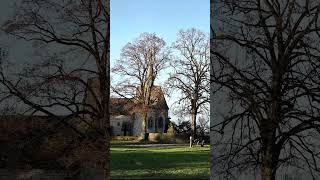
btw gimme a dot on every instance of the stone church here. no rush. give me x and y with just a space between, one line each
126 118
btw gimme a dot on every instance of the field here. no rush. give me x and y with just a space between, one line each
159 162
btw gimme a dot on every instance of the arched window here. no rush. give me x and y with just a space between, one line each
160 122
150 122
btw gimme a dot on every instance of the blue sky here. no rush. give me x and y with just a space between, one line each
130 18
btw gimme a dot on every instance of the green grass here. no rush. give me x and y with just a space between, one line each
159 163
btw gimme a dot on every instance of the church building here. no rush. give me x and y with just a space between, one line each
125 113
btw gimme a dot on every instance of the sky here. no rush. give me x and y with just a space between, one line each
130 18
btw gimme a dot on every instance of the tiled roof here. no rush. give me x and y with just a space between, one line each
126 106
157 98
121 106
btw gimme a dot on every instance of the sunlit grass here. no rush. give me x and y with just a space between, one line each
156 162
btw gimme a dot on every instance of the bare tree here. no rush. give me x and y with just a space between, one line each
139 65
83 25
190 76
265 58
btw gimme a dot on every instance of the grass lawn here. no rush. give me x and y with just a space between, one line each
159 163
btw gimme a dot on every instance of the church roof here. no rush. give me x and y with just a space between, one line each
126 106
157 98
121 106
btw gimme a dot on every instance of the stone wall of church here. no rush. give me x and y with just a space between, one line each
156 117
117 124
153 116
137 124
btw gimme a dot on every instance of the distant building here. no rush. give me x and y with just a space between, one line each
125 117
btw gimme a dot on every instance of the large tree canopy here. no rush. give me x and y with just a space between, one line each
140 63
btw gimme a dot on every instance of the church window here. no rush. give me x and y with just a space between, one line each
160 122
150 122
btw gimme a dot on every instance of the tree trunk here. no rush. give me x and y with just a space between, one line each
107 167
144 134
107 118
193 119
266 174
194 125
107 95
270 153
268 171
104 123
